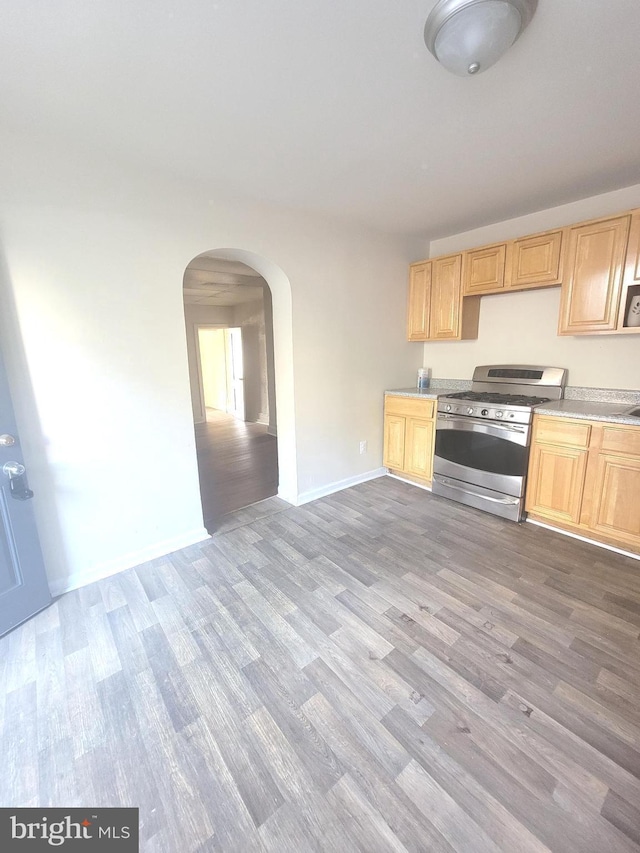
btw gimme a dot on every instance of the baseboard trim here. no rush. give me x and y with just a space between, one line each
410 482
128 561
583 538
337 486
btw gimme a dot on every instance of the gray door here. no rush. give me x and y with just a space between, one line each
23 583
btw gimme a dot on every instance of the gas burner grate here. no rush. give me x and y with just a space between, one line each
499 399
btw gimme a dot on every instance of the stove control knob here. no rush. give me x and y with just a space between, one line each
485 412
499 414
447 408
469 411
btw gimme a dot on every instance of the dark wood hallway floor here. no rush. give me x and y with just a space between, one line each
237 464
379 670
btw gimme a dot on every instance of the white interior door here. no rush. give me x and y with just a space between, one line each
235 373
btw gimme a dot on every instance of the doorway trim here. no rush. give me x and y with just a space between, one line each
280 288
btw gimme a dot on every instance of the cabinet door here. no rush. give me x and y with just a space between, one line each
592 286
446 298
556 482
484 269
615 512
632 266
419 302
631 280
394 427
418 458
535 261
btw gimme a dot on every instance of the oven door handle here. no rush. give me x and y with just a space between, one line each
467 491
509 432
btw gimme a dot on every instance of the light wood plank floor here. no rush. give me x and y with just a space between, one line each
237 465
380 670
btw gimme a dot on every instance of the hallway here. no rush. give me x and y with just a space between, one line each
237 463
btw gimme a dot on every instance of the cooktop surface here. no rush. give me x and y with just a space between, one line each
501 399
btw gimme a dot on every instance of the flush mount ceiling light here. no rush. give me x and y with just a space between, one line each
468 36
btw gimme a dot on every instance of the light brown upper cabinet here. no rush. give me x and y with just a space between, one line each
436 310
632 266
535 261
597 263
484 269
446 302
419 303
631 278
528 262
592 288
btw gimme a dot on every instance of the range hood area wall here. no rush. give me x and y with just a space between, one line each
522 327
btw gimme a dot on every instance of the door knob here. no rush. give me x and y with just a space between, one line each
13 469
17 486
7 440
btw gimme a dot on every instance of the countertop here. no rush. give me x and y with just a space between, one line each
591 410
596 404
428 394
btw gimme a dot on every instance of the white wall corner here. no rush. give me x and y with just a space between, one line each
338 486
127 561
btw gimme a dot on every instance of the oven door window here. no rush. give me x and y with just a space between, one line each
482 452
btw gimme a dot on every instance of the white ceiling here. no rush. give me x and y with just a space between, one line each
212 281
336 107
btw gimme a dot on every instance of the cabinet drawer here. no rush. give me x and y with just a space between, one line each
620 439
409 406
562 431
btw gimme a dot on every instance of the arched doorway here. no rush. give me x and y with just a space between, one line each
238 306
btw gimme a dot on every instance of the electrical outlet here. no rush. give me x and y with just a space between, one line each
363 447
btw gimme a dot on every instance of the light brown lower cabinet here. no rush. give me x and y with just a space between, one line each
584 476
409 435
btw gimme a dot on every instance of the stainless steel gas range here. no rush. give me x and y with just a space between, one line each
483 436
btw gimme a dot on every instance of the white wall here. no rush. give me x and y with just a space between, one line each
521 328
94 259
